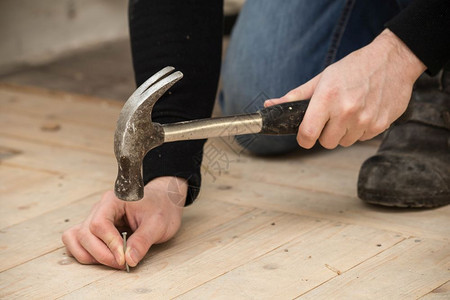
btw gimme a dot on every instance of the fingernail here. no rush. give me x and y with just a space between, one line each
133 256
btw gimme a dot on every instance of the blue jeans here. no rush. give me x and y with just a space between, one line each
278 45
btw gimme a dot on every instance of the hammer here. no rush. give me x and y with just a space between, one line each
136 134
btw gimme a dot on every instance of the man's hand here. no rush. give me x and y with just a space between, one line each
359 96
154 219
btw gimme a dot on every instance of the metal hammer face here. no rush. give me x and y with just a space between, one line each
136 134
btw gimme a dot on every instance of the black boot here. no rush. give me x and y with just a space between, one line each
412 165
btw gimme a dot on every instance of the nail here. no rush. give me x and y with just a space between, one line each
124 234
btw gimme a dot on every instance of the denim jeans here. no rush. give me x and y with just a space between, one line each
278 45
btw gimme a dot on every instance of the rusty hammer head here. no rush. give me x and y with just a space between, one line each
136 134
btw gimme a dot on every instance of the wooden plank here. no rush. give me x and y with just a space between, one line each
409 270
349 158
300 265
27 193
439 293
227 243
42 234
66 106
176 268
64 161
41 276
48 277
411 222
306 177
220 161
57 132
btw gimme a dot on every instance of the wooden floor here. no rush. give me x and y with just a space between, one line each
280 228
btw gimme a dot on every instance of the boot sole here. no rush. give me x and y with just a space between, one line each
399 201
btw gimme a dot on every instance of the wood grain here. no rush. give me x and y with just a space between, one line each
50 261
407 271
299 265
55 159
207 256
409 222
28 193
278 227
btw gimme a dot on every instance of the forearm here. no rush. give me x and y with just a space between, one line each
188 36
424 26
398 54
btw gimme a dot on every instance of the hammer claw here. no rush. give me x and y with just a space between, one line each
149 82
158 88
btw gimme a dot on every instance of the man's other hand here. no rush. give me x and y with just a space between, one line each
359 96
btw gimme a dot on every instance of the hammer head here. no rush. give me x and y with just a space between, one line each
136 134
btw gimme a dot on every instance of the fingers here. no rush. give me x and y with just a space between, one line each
96 248
87 248
74 248
141 240
154 219
332 134
303 92
104 224
97 240
110 236
314 121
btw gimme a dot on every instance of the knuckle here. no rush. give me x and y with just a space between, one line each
327 143
82 235
366 136
304 144
328 146
307 134
165 235
95 226
65 238
378 128
84 259
141 240
346 143
349 109
291 94
363 122
331 94
105 259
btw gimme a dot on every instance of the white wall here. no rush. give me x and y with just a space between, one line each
38 31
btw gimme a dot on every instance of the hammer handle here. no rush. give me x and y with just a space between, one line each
279 119
283 118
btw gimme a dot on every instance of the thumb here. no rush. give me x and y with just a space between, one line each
139 243
303 92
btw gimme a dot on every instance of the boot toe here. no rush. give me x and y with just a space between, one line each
403 181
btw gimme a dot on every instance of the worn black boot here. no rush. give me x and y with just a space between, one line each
412 165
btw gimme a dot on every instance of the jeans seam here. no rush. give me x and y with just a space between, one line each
339 32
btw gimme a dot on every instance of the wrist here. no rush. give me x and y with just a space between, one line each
173 188
399 54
